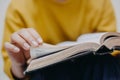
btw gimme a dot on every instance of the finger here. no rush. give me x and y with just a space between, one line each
34 33
27 54
15 38
28 37
11 48
15 54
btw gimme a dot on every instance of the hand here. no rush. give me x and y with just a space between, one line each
18 49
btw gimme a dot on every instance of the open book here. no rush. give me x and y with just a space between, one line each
95 43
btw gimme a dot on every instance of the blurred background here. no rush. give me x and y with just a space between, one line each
3 8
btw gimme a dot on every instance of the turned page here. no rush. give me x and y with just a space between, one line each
45 49
92 37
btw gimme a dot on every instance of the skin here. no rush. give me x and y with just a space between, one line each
18 49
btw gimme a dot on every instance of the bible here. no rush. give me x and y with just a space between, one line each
94 43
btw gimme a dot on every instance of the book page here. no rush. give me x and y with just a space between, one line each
92 37
45 49
67 43
82 49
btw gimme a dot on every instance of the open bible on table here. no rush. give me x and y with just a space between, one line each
95 43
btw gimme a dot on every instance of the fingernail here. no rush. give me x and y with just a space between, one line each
16 49
26 46
39 40
34 43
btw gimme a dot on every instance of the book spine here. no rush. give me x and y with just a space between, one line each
103 50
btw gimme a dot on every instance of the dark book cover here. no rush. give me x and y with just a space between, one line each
88 67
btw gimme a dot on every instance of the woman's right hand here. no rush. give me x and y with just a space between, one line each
18 49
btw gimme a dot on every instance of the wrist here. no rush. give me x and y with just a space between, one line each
17 70
16 78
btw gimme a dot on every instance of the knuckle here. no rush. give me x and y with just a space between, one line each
30 29
13 36
6 44
22 31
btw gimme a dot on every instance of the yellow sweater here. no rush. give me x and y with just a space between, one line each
58 21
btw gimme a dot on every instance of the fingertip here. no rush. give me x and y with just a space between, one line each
40 40
34 43
11 48
26 46
16 49
6 45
